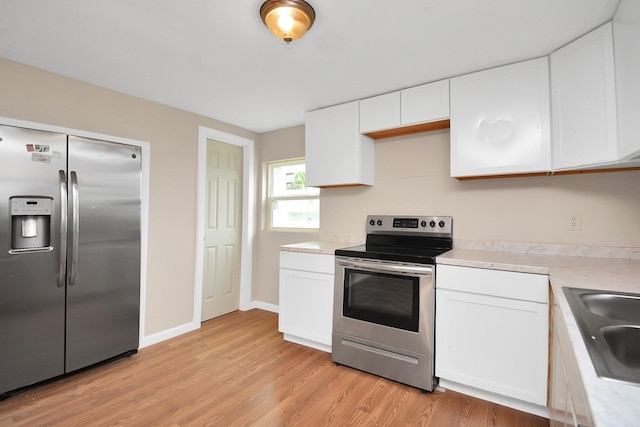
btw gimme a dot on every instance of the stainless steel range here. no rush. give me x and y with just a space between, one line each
383 312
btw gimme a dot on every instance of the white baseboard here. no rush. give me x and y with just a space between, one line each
188 327
265 306
306 342
168 334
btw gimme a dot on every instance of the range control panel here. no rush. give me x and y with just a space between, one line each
389 224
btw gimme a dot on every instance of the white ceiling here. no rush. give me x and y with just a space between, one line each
217 59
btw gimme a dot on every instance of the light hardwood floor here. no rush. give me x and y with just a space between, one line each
237 371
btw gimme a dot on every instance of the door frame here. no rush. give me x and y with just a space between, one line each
248 214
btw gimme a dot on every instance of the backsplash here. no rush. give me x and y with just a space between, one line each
544 249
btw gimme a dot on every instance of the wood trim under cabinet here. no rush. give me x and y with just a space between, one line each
551 349
512 175
573 172
343 185
408 130
567 172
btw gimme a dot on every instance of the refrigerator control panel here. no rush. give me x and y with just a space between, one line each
30 206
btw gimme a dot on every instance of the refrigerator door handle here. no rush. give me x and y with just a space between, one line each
75 221
63 227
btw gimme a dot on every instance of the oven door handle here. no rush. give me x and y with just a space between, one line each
387 268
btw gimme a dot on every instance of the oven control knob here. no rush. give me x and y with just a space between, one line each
372 222
432 223
379 222
423 223
441 224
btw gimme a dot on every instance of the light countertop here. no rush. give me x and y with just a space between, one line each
317 247
611 403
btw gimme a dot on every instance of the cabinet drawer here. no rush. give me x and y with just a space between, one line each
506 284
319 263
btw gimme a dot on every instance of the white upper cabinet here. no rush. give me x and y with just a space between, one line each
420 104
500 120
380 112
595 96
583 101
626 36
336 153
425 103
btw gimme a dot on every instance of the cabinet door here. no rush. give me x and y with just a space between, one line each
559 415
583 101
336 153
500 120
306 305
626 35
577 410
415 105
497 283
380 112
425 103
495 344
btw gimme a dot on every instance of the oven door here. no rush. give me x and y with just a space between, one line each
385 302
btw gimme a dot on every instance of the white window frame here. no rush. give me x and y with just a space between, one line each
271 199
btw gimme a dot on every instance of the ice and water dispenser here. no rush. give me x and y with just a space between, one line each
30 223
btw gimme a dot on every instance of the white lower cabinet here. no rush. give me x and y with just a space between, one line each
492 333
306 298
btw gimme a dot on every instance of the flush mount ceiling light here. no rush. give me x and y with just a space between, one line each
287 19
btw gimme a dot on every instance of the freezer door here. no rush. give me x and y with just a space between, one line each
31 292
103 269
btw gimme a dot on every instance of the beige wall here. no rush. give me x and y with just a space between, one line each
412 177
38 96
277 145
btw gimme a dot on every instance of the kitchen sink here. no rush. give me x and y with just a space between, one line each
623 307
624 343
610 326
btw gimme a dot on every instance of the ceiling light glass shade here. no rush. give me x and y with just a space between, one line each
287 19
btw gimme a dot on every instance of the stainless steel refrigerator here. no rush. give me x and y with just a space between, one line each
69 254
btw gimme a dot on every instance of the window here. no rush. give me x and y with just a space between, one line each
291 204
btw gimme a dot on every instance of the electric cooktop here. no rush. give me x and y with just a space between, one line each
410 239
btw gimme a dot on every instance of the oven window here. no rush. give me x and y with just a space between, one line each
385 299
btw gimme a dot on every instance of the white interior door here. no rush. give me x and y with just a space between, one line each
223 230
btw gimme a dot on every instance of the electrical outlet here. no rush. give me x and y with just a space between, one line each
574 222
